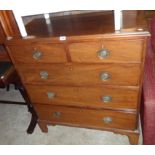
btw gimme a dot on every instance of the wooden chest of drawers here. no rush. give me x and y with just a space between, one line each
91 81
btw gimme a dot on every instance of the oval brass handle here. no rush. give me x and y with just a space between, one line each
44 74
105 76
107 119
51 95
106 99
37 55
103 53
57 114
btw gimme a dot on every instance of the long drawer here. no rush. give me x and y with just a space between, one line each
109 51
97 97
87 117
39 53
107 74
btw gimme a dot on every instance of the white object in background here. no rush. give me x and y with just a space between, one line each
20 23
118 19
46 15
47 18
19 13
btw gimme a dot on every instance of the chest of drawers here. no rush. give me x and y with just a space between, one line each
91 81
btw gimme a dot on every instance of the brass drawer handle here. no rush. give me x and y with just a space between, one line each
51 95
44 74
106 99
37 55
57 114
103 53
107 120
105 76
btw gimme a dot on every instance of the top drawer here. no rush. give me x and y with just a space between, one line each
108 51
46 53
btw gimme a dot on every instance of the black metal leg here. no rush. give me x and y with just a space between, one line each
34 117
16 87
33 122
8 87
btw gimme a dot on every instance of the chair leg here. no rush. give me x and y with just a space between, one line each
34 117
8 87
16 87
33 122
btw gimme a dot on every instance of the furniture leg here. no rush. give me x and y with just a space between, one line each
43 126
33 122
34 116
133 138
8 87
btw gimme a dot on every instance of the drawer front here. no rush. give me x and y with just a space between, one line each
97 97
87 117
109 51
46 53
107 74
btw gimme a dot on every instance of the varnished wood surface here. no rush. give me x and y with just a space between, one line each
122 98
3 54
125 51
96 23
9 24
119 51
74 70
86 117
85 24
51 53
80 75
2 35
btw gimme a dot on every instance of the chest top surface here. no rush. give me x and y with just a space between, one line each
100 23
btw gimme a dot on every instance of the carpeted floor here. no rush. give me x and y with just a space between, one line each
14 120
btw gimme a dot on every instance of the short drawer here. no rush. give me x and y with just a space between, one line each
36 53
87 117
107 74
109 51
95 97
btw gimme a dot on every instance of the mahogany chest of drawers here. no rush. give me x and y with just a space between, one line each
87 80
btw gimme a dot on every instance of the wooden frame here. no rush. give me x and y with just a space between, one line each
9 24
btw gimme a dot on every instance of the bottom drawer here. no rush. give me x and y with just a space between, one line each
86 117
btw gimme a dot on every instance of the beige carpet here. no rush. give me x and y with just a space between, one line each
14 120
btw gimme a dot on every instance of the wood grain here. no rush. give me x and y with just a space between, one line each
86 24
86 117
79 75
9 24
2 35
119 51
51 53
3 53
122 98
74 70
